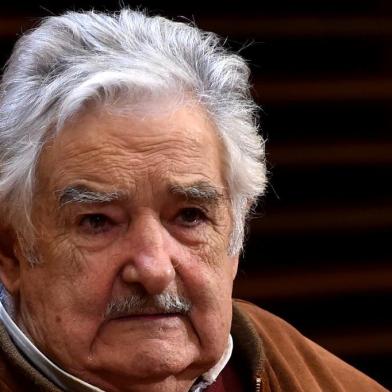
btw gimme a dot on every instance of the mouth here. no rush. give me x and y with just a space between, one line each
147 316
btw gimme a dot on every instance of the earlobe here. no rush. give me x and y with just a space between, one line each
9 261
234 260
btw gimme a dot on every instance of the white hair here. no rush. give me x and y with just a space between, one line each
79 58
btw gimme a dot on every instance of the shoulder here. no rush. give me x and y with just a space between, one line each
16 373
295 362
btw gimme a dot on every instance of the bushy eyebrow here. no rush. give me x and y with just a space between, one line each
198 192
83 194
201 192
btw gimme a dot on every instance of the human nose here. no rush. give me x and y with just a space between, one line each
148 262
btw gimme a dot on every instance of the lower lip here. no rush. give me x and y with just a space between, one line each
148 325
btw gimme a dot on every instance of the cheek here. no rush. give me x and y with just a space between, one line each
64 308
207 279
75 284
207 273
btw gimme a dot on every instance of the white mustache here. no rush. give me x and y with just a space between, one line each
138 304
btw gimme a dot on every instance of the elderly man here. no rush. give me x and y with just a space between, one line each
129 161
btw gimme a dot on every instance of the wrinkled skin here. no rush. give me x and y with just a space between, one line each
149 241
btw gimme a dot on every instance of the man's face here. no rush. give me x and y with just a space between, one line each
130 207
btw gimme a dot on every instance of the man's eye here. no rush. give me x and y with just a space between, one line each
191 217
95 223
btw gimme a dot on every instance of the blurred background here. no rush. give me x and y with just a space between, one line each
319 248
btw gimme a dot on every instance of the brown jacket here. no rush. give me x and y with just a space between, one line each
286 361
269 353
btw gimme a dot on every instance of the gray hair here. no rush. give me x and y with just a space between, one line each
79 58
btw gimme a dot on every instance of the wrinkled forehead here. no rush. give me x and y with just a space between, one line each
111 147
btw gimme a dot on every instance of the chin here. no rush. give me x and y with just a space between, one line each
140 366
146 374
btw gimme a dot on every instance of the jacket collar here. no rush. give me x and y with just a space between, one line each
248 348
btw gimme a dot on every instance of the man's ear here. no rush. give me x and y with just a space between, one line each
9 261
234 260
